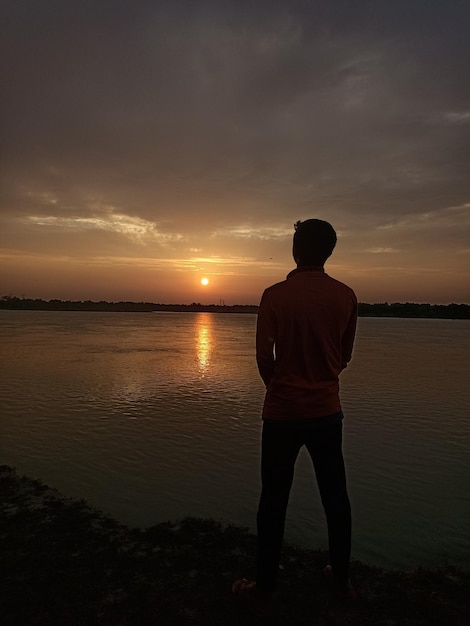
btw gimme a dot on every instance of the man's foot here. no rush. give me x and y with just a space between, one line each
344 590
260 603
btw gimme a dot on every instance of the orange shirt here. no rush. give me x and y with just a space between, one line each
304 339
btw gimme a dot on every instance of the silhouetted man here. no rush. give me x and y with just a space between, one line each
305 334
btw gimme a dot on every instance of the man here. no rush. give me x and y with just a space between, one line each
305 334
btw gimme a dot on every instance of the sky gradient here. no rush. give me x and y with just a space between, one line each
148 144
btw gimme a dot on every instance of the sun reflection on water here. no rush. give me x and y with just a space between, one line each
204 341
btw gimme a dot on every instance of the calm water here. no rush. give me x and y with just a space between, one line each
156 416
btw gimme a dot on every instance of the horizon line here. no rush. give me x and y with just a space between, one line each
212 304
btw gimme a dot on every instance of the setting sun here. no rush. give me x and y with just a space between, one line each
204 281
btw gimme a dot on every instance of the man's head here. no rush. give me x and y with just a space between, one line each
314 241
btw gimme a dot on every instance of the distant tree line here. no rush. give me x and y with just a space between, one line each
396 309
411 309
29 304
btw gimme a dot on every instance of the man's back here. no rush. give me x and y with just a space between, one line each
310 318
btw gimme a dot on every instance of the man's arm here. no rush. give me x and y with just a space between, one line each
348 337
265 339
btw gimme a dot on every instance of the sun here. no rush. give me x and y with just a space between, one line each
204 281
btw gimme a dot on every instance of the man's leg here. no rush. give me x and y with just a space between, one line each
325 448
280 447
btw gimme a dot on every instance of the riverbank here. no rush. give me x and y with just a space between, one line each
395 309
63 562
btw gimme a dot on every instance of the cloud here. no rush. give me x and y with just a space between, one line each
136 229
457 117
382 250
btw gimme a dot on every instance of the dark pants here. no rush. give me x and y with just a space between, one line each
281 443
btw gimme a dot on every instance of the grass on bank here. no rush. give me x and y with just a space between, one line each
63 562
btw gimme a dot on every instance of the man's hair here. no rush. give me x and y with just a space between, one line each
314 241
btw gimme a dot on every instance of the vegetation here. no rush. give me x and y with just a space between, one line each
12 302
64 563
411 309
396 309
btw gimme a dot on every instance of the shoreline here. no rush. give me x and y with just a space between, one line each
407 310
64 562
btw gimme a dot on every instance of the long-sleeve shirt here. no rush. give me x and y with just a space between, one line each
305 334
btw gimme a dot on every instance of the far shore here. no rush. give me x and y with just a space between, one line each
384 309
64 563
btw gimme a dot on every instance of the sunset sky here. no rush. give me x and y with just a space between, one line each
146 145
